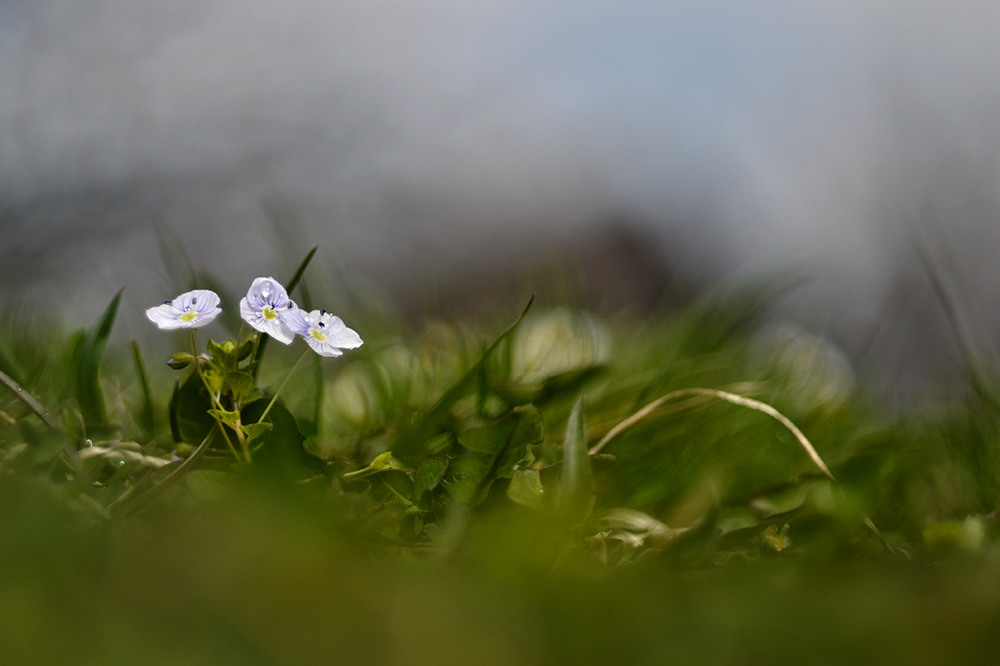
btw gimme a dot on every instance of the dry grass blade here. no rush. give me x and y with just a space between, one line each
733 398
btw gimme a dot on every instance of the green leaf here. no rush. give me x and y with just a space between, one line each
242 385
385 461
215 378
530 426
281 449
529 431
429 474
491 438
502 447
470 477
189 405
526 488
400 484
409 443
245 348
573 492
225 416
223 354
88 388
254 431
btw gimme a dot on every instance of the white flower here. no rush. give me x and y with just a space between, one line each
325 333
190 310
265 307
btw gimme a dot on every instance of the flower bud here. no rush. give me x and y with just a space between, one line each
180 360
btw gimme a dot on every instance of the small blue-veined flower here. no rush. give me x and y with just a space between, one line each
190 310
325 333
265 307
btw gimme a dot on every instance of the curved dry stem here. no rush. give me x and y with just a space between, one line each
726 396
742 401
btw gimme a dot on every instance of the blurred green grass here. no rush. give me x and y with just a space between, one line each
712 538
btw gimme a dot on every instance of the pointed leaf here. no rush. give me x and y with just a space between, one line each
254 431
88 387
526 488
225 416
429 474
572 495
147 412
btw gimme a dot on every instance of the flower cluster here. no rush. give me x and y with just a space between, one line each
268 309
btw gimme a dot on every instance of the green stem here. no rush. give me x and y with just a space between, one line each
276 393
218 406
239 341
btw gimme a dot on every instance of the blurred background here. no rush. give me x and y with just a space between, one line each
443 150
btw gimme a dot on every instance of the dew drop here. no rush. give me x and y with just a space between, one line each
265 291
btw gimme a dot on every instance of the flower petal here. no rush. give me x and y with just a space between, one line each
324 333
266 320
189 310
338 334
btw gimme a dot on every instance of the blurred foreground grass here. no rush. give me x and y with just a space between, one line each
702 534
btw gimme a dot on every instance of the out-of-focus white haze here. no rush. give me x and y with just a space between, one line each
412 140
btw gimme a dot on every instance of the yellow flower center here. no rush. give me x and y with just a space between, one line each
317 334
189 316
269 313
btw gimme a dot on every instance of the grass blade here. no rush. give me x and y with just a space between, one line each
301 269
147 414
572 493
50 421
9 365
410 442
33 404
88 389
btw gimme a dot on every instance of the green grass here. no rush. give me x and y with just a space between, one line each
705 532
